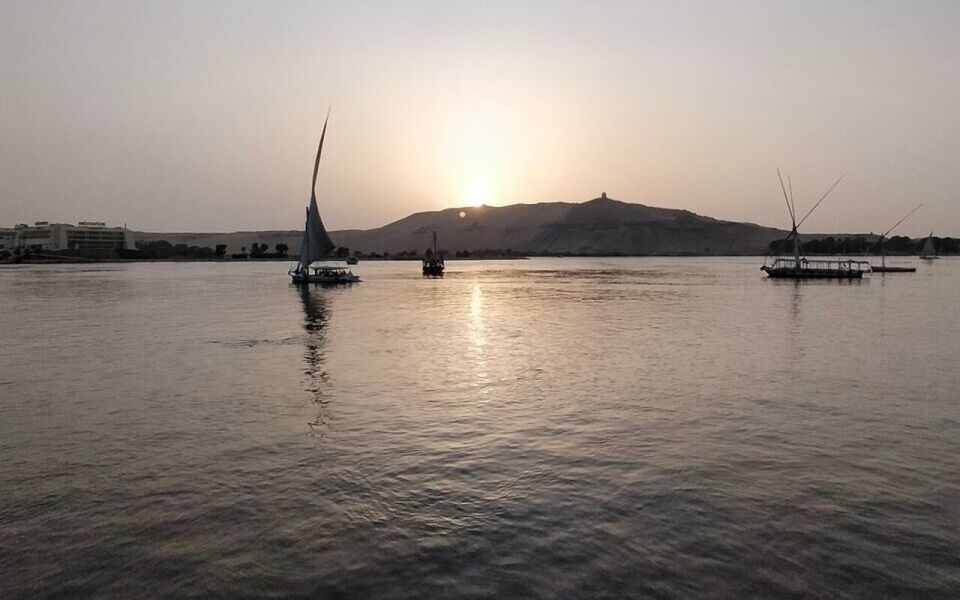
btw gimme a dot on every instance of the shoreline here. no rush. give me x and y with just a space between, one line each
79 261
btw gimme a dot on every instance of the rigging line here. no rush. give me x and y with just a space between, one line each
793 203
783 242
827 193
793 218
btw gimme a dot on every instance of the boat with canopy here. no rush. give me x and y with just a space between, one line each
799 267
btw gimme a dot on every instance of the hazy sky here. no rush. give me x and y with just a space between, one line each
195 116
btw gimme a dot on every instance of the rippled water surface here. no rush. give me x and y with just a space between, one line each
663 428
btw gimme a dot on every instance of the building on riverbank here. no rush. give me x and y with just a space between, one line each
84 237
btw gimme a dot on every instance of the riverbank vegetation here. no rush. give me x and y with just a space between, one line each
865 245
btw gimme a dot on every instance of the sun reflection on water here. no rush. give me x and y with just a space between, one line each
478 337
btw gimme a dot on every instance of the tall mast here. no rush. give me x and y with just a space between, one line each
791 208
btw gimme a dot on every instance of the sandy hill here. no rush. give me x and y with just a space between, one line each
600 226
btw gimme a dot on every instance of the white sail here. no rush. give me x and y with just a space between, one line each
316 242
928 249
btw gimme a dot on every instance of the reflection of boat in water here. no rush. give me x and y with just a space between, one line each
316 318
929 252
316 242
799 267
433 262
883 268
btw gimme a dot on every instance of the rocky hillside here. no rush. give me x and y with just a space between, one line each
600 226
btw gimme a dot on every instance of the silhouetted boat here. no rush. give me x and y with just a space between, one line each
892 269
433 262
802 268
799 267
883 268
316 242
929 252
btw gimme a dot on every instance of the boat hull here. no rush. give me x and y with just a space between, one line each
785 273
894 269
325 279
433 271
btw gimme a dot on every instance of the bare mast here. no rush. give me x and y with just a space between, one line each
793 221
792 209
883 256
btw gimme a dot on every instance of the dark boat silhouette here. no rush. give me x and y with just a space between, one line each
433 262
798 267
316 242
883 268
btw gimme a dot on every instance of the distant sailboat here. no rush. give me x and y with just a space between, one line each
929 252
316 242
883 268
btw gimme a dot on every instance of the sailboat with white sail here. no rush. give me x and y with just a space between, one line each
929 252
316 243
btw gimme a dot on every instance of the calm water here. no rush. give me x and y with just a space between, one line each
553 428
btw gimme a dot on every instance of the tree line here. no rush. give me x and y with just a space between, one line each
860 245
162 249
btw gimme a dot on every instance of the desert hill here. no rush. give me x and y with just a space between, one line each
601 226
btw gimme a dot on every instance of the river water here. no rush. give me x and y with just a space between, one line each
551 428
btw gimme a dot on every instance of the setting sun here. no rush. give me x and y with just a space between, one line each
477 194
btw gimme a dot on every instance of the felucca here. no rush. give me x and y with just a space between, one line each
929 252
799 267
316 243
883 268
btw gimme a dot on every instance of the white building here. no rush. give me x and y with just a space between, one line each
85 235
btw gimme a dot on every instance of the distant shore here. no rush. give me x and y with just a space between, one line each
35 260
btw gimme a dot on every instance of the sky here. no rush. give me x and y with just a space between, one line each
204 116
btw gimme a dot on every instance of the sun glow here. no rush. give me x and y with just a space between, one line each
478 148
477 193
